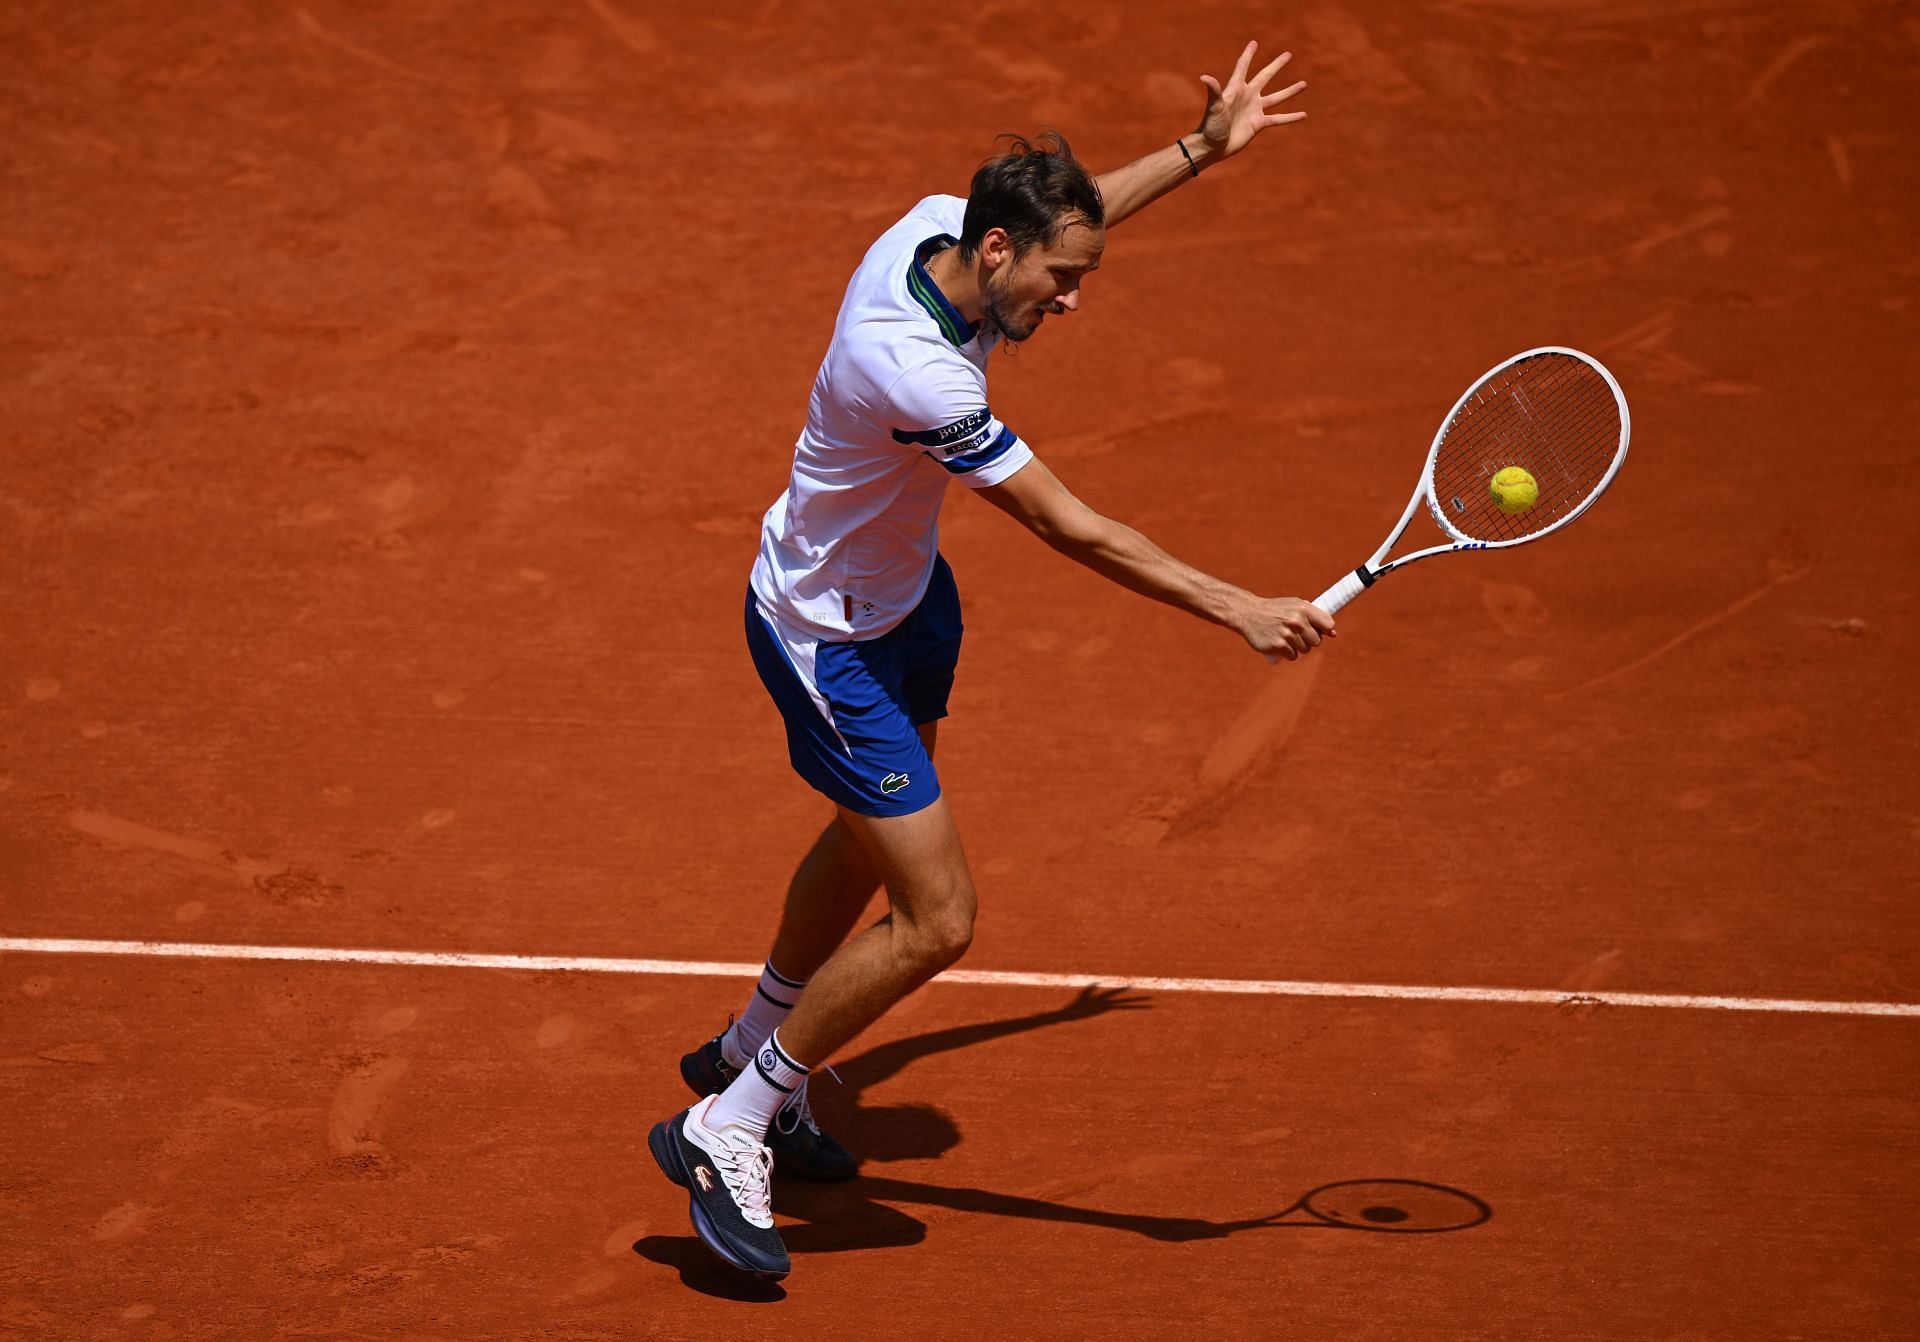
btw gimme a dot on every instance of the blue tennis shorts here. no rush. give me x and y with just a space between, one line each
852 708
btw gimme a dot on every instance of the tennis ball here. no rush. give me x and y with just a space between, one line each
1513 489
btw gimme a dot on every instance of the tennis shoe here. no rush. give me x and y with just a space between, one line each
725 1173
800 1149
706 1070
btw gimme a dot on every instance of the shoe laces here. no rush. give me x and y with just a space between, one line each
747 1167
801 1108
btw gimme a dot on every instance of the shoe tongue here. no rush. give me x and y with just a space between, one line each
733 1134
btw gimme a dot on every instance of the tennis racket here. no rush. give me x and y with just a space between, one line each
1553 412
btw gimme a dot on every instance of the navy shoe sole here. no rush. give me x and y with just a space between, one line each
664 1143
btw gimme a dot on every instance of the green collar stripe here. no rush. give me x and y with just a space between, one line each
922 287
957 329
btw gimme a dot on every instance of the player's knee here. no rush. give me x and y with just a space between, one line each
939 934
951 935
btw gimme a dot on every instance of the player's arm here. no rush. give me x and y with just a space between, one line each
1284 626
1235 113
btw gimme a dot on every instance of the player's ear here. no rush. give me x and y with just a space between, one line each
996 248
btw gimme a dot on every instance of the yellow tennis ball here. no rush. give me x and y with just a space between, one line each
1513 489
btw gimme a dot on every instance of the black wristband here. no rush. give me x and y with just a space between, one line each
1181 145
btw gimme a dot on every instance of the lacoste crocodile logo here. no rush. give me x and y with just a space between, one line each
704 1177
892 783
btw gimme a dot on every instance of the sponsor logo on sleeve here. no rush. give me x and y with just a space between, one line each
956 439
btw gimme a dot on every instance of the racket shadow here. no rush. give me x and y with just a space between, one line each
861 1215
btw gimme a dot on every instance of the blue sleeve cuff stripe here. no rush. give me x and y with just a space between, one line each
986 456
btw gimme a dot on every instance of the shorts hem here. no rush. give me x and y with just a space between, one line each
876 811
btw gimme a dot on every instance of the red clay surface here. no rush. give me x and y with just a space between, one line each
386 410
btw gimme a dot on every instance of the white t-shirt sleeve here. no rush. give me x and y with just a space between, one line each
940 408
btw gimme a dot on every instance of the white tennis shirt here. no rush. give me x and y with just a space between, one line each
899 408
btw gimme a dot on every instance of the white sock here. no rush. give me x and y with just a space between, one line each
773 998
757 1093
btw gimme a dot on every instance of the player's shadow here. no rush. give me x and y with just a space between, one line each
862 1215
883 1133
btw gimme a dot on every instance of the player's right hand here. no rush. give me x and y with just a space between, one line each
1285 626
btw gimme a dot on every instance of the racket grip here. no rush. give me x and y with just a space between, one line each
1345 590
1339 595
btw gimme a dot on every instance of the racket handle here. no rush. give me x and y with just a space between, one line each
1339 595
1345 590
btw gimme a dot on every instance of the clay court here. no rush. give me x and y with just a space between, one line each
389 397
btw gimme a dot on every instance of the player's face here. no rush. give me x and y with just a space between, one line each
1044 280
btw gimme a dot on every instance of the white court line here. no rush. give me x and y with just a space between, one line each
994 978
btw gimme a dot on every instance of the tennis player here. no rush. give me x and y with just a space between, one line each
853 621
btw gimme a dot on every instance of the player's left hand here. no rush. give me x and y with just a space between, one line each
1242 109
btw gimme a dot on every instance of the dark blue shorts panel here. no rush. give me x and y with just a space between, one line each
930 646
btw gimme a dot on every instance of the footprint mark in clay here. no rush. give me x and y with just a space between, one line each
1515 608
553 1032
359 1106
118 1223
396 1020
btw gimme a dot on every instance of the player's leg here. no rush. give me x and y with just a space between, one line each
929 927
887 700
830 889
827 896
851 712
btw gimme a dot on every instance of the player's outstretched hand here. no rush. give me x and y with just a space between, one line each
1285 626
1242 109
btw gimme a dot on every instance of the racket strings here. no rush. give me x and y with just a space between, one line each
1553 416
